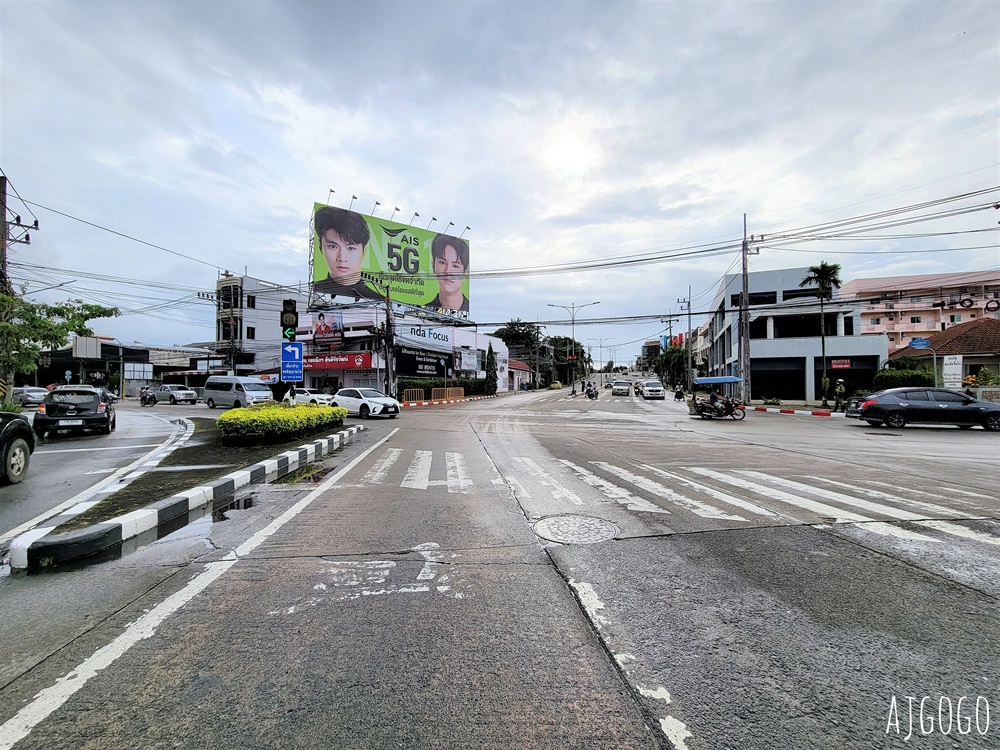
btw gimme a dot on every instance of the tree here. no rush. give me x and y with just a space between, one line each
491 370
825 277
29 328
519 333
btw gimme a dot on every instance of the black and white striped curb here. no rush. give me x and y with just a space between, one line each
45 547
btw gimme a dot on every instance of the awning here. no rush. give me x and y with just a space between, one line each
718 380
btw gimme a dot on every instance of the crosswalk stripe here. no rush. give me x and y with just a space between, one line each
959 530
887 529
418 475
837 497
927 507
558 491
665 493
458 475
966 492
614 492
377 473
822 509
719 495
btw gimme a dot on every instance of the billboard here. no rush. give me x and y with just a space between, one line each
357 256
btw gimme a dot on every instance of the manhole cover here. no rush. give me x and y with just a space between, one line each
575 529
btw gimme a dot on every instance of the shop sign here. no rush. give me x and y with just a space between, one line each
342 361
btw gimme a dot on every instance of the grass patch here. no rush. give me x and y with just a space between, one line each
203 449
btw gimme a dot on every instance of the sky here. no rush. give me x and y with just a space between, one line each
162 143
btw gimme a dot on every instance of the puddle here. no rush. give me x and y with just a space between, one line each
240 503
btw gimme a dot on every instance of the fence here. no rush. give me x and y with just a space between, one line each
439 393
413 394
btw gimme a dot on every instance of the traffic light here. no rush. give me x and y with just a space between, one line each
289 320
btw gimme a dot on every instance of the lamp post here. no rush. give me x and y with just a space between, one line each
600 347
572 310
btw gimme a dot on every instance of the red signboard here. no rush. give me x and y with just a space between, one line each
340 361
840 364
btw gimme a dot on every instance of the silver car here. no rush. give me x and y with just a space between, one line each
620 388
28 395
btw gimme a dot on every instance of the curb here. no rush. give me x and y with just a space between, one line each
806 412
44 547
457 400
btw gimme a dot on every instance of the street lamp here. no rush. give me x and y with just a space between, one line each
572 310
600 346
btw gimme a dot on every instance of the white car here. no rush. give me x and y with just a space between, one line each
653 389
620 388
308 396
366 402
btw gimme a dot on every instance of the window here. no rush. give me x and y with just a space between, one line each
954 318
876 321
915 396
914 318
251 332
950 398
915 299
251 301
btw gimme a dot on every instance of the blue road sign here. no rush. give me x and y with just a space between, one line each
291 362
919 343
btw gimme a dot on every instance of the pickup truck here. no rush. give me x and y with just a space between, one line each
172 393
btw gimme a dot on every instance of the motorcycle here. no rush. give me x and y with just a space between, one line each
728 407
591 392
147 398
679 394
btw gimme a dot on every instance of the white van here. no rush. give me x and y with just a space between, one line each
233 391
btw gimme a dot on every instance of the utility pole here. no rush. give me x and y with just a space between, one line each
744 337
7 378
686 304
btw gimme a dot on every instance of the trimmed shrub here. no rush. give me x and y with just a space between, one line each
276 422
902 378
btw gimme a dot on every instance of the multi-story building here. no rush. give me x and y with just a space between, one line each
786 346
909 307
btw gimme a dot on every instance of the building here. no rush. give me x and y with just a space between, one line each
908 307
786 348
973 346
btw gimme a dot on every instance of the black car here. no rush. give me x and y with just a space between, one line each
897 407
17 443
75 407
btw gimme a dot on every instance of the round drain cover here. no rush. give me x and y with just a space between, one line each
575 529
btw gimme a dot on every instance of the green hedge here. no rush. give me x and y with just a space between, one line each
276 422
472 386
902 378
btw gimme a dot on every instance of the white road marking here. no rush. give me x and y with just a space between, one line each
377 473
614 492
556 490
665 493
458 475
45 451
51 698
837 497
928 507
715 494
418 475
959 530
888 529
821 509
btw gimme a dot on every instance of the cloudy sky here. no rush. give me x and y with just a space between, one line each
160 143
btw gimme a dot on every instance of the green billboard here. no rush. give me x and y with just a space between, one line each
361 257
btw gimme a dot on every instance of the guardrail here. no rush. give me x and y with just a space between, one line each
439 393
413 394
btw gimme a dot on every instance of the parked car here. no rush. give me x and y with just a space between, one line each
28 395
75 407
555 384
897 407
620 388
308 396
653 389
171 393
17 443
366 402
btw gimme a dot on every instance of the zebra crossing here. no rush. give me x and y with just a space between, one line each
731 495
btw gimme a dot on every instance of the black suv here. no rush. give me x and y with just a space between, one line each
75 407
17 443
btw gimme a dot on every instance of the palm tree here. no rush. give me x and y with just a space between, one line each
825 277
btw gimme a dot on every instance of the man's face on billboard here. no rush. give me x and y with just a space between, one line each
449 263
344 258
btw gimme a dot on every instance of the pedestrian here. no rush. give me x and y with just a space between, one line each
840 396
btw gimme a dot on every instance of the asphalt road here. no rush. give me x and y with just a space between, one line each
538 572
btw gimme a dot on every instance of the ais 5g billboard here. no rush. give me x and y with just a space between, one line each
357 256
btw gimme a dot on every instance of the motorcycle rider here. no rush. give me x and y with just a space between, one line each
715 400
